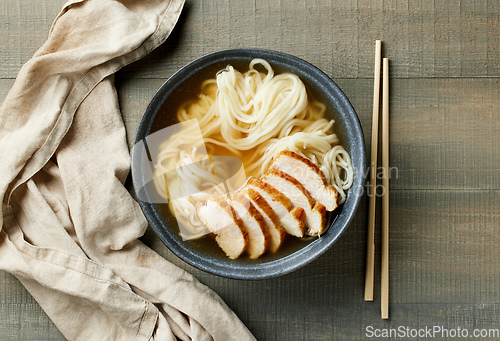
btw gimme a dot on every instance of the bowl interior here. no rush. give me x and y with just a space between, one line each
204 253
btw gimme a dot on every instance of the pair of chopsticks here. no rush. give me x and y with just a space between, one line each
370 257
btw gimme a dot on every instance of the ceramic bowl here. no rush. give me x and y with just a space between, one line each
204 254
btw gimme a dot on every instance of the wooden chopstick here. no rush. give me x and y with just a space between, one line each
385 195
370 247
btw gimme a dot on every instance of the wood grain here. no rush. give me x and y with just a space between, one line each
444 154
443 131
21 317
24 27
423 38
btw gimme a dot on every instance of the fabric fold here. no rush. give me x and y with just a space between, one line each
69 227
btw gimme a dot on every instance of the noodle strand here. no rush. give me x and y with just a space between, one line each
252 116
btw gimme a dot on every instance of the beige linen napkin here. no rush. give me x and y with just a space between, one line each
69 228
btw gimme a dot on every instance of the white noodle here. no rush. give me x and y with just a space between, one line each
252 116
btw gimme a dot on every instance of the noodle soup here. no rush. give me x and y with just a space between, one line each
203 253
232 123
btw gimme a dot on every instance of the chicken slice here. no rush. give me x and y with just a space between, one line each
311 177
272 222
300 197
219 218
258 237
290 217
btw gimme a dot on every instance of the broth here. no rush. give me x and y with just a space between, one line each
167 116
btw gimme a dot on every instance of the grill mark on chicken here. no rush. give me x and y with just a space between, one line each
220 218
311 177
300 197
272 222
253 221
257 216
291 218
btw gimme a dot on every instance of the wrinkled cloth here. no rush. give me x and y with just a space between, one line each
69 228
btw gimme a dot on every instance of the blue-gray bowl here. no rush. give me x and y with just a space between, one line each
204 254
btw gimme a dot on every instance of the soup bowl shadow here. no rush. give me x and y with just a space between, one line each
204 254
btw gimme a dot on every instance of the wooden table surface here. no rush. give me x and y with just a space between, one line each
444 146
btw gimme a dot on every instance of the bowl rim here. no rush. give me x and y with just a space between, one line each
300 257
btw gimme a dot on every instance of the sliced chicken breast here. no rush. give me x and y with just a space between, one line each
311 177
253 221
300 197
290 217
220 218
272 222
